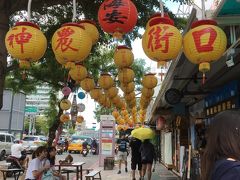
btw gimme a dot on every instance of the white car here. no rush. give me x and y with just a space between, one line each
31 142
6 141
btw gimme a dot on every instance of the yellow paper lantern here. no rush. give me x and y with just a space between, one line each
65 104
147 92
87 84
124 112
95 93
112 92
121 121
115 114
134 110
24 64
130 96
128 88
131 123
78 73
119 127
125 127
71 43
116 100
90 27
132 103
64 118
123 57
105 81
26 42
156 16
126 75
149 81
102 99
80 119
204 43
161 41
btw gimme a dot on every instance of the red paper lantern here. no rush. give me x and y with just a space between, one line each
117 17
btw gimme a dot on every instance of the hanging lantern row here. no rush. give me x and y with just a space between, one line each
204 43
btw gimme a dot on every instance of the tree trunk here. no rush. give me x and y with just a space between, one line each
53 128
4 27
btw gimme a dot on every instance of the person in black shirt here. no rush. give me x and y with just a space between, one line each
135 145
221 158
122 152
147 155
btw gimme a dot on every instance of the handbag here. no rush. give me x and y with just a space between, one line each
48 175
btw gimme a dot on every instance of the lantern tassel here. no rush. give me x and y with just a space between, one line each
203 78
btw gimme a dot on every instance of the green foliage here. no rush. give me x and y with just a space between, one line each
99 110
41 125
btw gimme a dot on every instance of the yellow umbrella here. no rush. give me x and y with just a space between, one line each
142 133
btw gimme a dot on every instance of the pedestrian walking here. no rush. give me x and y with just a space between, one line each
221 158
135 145
122 152
148 154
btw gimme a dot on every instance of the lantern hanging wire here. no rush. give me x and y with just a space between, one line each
161 7
203 10
29 10
74 11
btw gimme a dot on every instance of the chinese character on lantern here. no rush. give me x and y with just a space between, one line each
114 4
202 46
160 37
64 41
20 38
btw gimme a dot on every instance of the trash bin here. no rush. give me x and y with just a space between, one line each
108 163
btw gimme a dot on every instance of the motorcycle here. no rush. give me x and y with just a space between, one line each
94 151
84 152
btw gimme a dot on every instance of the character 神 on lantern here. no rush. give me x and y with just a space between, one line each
26 42
117 17
161 41
204 43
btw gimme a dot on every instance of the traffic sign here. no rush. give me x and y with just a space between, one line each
31 109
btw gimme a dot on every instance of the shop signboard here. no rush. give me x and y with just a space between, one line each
223 99
107 138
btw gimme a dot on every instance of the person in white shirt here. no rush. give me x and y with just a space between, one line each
16 151
36 167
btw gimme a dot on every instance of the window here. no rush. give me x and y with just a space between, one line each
30 138
8 138
2 138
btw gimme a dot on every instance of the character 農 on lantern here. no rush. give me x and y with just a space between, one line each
204 43
161 41
117 17
26 42
71 44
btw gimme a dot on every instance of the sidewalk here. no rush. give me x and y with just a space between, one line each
161 173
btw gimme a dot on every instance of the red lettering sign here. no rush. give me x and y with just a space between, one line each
202 46
64 41
160 37
20 38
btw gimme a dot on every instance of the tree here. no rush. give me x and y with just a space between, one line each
50 14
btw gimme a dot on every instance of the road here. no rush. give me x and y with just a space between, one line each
90 161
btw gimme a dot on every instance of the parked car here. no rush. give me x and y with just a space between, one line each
6 141
31 142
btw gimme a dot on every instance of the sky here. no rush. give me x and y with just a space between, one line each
138 53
